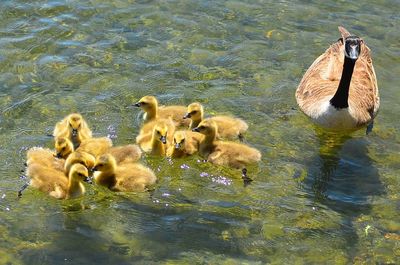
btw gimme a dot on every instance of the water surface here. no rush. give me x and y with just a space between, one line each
315 198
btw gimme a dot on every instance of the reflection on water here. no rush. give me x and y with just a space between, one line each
314 198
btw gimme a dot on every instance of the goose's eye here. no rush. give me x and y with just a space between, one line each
143 103
201 127
193 112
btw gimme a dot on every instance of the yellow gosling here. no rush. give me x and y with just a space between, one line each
228 127
185 143
73 127
126 177
63 147
156 140
149 105
230 154
44 157
126 153
95 146
55 183
77 157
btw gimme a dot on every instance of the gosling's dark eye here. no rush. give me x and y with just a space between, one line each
193 112
99 165
183 140
201 127
62 149
143 103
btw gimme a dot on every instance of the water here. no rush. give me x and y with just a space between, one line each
315 198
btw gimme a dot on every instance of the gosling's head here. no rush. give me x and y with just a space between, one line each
160 132
147 103
74 122
179 139
82 158
105 162
194 111
206 127
79 172
352 47
63 147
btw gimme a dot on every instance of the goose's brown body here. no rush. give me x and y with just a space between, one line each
321 81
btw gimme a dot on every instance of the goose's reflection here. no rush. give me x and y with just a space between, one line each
342 175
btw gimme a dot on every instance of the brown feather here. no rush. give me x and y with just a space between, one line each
322 78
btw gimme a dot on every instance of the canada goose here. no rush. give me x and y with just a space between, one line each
185 143
95 146
230 154
73 127
126 153
125 177
44 157
79 157
149 105
63 147
155 141
228 127
339 91
55 182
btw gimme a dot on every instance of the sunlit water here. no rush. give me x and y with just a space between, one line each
315 198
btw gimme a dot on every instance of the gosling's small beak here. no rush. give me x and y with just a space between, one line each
196 129
74 132
93 169
138 104
58 155
187 115
163 139
177 145
88 180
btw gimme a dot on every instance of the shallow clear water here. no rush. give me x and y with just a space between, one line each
315 198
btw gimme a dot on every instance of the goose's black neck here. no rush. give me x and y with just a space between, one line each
340 99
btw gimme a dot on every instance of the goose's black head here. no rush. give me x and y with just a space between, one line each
352 47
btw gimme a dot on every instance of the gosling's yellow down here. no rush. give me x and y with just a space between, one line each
126 153
149 105
185 143
155 136
55 183
95 146
63 147
230 154
339 91
228 127
77 157
44 157
125 177
73 127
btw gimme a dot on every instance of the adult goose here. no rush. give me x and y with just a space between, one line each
339 91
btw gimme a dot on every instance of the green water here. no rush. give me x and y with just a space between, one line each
315 198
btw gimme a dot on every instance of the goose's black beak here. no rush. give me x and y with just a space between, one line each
58 155
177 145
163 139
138 104
74 132
93 169
187 115
196 129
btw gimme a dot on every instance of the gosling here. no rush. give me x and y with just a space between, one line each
235 155
44 157
156 140
55 183
228 127
126 177
185 143
149 105
73 127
